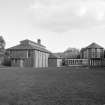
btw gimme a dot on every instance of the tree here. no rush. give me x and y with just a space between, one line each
72 53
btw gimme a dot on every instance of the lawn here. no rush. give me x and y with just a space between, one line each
52 86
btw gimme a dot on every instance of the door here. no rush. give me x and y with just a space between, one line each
21 63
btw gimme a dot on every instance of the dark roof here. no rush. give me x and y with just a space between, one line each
54 56
2 39
94 45
82 49
32 42
28 47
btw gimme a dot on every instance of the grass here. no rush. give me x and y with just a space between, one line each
52 86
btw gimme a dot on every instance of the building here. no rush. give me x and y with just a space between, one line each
29 54
2 50
55 60
94 53
76 62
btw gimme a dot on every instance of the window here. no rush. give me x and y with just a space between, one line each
15 60
29 54
99 50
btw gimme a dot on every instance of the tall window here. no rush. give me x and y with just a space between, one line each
29 53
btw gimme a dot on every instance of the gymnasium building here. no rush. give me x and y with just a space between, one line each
29 54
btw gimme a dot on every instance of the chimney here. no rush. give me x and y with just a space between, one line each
39 41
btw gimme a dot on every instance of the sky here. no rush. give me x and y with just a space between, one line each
59 24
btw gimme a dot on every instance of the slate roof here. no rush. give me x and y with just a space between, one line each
28 47
94 45
54 56
1 39
32 42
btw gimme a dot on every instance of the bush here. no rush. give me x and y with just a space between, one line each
7 62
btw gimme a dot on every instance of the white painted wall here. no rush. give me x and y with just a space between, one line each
40 59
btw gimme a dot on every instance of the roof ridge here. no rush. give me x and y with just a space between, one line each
32 42
94 45
27 47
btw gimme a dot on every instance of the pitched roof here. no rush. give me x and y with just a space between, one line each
1 39
28 47
54 55
94 45
27 40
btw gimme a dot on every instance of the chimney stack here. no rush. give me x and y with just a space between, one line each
39 41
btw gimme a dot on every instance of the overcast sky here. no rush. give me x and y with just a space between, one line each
58 23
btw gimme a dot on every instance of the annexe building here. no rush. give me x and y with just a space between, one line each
29 54
76 62
94 53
